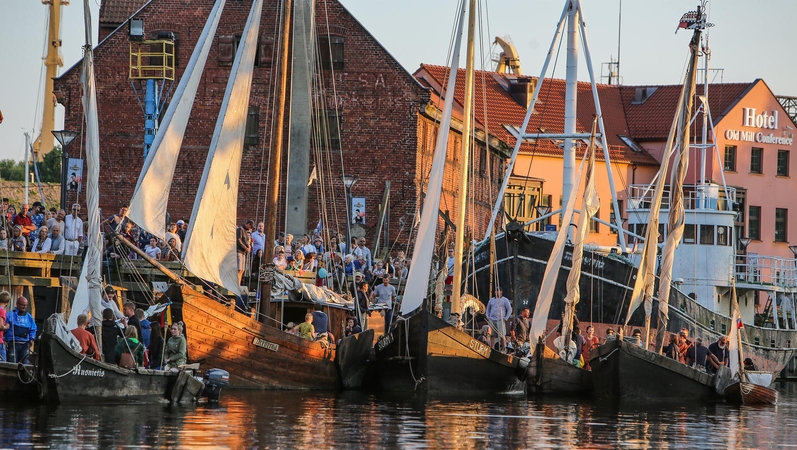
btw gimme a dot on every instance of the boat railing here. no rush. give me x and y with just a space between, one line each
767 270
696 197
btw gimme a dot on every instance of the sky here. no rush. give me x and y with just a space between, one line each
750 40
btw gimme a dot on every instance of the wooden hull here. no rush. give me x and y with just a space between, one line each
751 394
79 379
623 372
550 375
425 354
352 357
11 385
257 356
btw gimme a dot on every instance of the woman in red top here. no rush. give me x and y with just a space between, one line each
590 342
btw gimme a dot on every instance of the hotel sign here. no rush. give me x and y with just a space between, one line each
767 120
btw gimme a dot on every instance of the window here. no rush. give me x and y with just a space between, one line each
482 160
330 52
757 160
783 163
237 43
640 229
754 223
328 124
730 158
593 224
228 47
723 236
689 233
707 234
252 133
781 221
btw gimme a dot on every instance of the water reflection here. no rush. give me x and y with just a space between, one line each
361 420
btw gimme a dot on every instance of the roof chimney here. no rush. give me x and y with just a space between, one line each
521 89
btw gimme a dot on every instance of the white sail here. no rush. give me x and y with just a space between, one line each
539 321
418 278
80 302
93 261
209 249
151 196
590 203
734 338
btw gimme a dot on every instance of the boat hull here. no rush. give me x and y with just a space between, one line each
11 385
751 394
256 356
626 372
425 354
351 357
550 375
78 379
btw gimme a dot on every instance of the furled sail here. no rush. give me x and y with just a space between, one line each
418 278
209 248
151 196
735 356
590 203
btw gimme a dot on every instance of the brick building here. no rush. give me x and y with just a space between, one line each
386 116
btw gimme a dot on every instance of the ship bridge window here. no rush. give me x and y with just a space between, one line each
707 234
723 236
689 233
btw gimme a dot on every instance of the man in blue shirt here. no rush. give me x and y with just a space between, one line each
321 322
499 310
21 332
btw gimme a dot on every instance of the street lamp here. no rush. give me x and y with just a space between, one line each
348 182
542 210
793 249
744 242
64 137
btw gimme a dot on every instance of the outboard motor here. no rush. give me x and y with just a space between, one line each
215 380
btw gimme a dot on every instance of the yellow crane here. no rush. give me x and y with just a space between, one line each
52 61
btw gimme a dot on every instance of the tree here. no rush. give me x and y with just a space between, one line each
50 167
11 170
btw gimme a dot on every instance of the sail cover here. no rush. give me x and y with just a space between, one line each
149 203
418 278
209 249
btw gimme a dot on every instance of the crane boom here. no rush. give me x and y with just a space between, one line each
52 61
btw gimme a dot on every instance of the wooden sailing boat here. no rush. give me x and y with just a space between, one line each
257 354
549 372
743 389
423 352
629 371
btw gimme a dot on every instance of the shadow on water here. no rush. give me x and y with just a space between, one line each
247 419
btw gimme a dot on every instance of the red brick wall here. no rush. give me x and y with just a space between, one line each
378 100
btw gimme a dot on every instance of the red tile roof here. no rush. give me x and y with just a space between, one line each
118 11
502 110
652 118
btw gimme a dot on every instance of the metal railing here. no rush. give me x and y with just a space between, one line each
703 196
766 270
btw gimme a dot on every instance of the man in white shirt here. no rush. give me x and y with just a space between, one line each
385 294
363 251
73 231
499 310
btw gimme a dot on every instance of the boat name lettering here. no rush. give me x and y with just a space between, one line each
384 341
479 348
587 261
266 344
87 372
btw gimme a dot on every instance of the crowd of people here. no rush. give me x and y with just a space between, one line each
36 229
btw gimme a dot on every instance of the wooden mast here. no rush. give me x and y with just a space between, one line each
275 164
467 125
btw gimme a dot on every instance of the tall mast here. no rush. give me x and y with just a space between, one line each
571 105
276 154
465 155
706 57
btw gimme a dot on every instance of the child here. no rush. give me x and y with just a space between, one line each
306 329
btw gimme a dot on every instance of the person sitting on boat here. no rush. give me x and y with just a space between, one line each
351 327
385 294
290 328
498 311
86 339
636 337
568 356
321 323
485 335
697 354
306 329
520 329
21 332
279 258
454 320
175 352
42 242
611 335
132 348
19 243
683 345
152 249
155 347
109 301
111 332
750 365
57 241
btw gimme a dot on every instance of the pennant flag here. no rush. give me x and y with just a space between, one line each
739 323
318 228
313 177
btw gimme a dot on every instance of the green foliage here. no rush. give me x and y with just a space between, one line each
49 168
